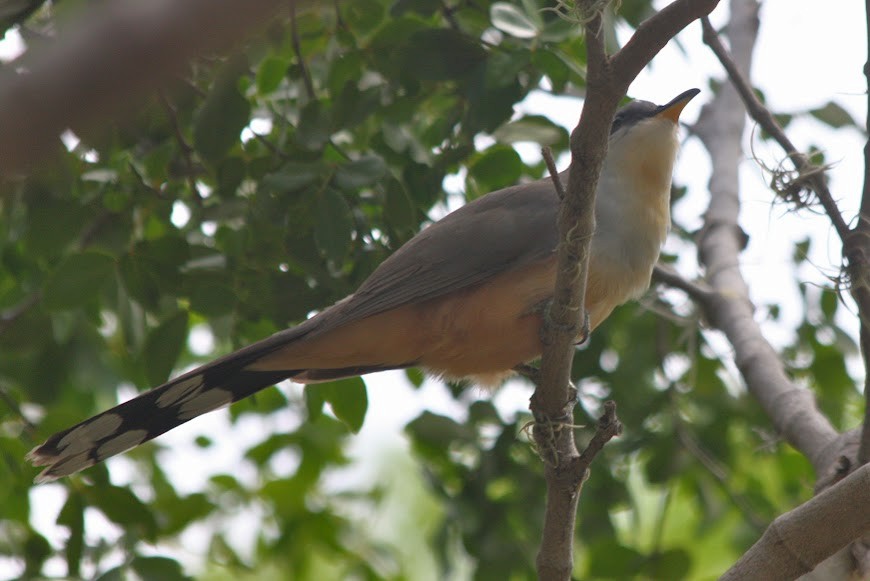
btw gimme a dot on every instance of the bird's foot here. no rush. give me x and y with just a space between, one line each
585 330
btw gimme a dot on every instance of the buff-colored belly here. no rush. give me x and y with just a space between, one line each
481 332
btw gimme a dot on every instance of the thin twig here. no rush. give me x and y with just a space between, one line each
339 20
701 293
763 117
29 427
547 153
297 49
273 149
89 233
448 13
609 427
858 259
7 318
183 146
142 182
718 472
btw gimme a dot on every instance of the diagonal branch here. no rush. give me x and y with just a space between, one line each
653 34
792 410
856 242
699 292
77 82
792 545
762 115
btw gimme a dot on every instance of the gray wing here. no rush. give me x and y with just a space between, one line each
502 231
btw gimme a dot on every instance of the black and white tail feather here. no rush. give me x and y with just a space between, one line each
149 415
207 388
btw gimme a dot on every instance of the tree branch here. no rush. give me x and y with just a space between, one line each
792 545
762 115
792 410
858 261
564 494
699 292
607 81
297 50
183 146
77 82
653 34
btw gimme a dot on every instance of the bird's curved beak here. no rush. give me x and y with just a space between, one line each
672 109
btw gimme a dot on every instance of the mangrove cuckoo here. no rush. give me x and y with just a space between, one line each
462 299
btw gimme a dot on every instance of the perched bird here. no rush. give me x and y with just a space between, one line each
462 299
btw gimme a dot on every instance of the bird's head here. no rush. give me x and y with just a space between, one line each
643 142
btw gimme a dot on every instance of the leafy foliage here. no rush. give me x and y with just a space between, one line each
267 184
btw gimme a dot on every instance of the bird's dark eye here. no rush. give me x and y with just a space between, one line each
618 120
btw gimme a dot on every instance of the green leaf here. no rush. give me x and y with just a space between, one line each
441 54
609 560
503 68
534 128
77 280
315 126
114 574
489 107
511 20
270 74
158 569
261 453
347 398
829 303
29 332
334 227
140 280
219 122
364 15
399 208
211 297
548 63
574 65
436 432
36 551
497 167
314 400
559 29
181 512
834 115
230 173
163 346
122 507
349 401
354 106
415 376
53 224
292 176
669 564
801 251
359 173
72 517
421 7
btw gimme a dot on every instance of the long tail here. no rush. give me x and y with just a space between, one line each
207 388
149 415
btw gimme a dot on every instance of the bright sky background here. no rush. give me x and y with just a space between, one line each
794 74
